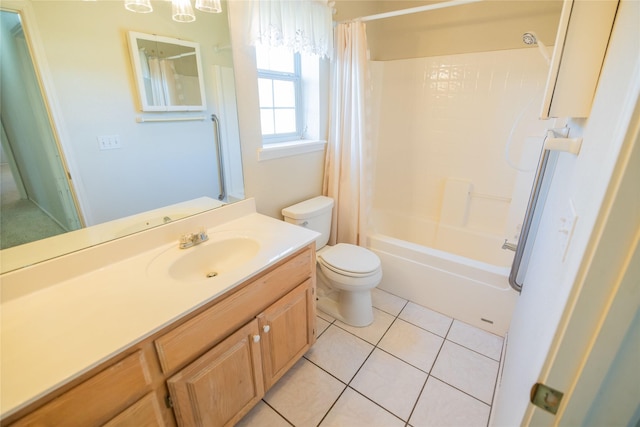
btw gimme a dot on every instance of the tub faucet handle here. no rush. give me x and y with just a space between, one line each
509 246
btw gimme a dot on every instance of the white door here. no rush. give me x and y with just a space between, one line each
575 327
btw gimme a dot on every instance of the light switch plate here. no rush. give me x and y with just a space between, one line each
567 226
109 142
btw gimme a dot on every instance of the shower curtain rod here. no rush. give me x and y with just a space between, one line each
411 10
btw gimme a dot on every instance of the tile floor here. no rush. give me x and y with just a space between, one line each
411 367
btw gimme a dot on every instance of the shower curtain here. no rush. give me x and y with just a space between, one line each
161 81
347 165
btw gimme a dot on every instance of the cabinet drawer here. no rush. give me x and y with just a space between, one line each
194 337
98 399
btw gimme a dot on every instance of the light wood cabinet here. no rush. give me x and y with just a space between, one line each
97 399
146 412
287 329
223 385
207 369
220 387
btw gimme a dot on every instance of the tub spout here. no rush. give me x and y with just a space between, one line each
509 246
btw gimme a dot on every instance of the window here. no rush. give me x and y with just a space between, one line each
279 90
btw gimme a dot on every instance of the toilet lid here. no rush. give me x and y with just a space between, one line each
350 259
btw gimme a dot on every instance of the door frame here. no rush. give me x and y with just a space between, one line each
47 91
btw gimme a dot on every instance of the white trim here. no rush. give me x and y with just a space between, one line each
412 10
290 148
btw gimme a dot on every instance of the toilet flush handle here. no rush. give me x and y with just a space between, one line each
304 224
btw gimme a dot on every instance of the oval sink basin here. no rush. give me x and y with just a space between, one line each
209 259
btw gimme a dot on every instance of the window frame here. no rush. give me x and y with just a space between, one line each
296 78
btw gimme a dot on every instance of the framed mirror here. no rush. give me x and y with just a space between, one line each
168 73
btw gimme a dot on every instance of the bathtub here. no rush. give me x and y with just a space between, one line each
474 291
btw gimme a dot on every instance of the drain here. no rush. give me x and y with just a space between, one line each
211 274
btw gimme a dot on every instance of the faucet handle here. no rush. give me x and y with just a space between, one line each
202 234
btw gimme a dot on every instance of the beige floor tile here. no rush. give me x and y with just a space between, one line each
325 316
412 344
321 325
442 405
387 302
466 370
476 339
304 394
427 319
262 416
390 382
355 410
339 353
373 332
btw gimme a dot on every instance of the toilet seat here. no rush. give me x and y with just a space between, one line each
349 260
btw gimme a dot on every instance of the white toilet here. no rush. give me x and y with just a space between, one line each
346 273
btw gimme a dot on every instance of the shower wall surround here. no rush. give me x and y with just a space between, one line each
449 118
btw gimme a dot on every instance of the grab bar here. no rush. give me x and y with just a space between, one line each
223 187
556 141
541 185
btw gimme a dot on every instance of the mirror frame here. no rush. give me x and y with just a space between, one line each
133 37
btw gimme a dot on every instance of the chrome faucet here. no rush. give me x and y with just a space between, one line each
192 239
510 246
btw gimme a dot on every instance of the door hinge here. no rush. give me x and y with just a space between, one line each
546 398
167 401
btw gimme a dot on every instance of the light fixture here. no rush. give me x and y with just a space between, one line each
181 10
211 6
140 6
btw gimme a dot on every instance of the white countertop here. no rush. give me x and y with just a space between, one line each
56 332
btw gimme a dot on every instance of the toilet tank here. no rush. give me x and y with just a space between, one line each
314 214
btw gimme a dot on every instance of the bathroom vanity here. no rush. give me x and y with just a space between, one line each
143 343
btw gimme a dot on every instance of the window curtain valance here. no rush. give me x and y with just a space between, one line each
303 26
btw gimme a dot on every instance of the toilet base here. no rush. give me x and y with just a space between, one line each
353 308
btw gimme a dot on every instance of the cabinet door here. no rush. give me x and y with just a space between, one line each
222 385
288 331
144 413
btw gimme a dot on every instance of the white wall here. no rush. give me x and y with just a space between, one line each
583 180
85 46
275 183
450 117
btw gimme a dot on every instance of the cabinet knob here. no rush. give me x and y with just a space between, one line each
256 338
266 328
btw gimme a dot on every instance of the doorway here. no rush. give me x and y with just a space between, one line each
37 200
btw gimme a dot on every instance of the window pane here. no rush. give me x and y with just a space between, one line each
265 92
285 120
266 121
274 59
284 93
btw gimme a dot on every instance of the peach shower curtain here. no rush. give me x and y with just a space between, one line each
347 163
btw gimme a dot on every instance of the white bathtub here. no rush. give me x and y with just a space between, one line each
475 292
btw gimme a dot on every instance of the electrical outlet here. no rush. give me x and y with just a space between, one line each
109 142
